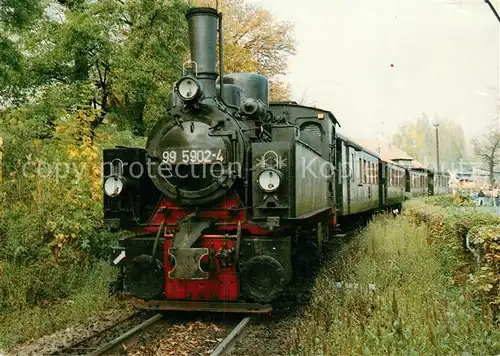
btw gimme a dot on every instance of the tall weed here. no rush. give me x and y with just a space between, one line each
416 308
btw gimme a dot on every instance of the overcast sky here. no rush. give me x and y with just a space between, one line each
445 55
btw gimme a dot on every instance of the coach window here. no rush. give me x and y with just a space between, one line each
365 172
363 177
360 171
352 167
368 171
367 165
363 162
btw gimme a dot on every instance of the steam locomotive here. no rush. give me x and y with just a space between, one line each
233 196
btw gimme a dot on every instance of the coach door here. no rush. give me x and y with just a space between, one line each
339 176
344 178
382 193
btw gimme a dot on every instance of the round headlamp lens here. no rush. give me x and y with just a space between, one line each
113 186
269 180
188 88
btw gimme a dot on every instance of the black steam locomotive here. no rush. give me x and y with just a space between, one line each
232 195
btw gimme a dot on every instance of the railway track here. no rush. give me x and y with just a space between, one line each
108 340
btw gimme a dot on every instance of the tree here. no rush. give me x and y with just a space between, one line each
19 13
305 100
487 148
15 16
254 41
117 57
418 139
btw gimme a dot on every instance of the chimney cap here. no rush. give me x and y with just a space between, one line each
202 10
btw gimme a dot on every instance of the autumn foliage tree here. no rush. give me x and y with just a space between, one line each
255 41
487 149
418 138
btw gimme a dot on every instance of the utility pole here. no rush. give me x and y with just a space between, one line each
437 146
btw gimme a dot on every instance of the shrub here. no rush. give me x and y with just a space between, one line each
458 233
52 238
486 240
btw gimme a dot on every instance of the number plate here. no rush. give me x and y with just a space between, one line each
194 155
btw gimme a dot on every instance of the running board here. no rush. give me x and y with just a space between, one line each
224 307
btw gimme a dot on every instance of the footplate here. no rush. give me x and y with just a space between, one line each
222 307
187 263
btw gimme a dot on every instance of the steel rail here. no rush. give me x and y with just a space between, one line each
230 338
82 341
127 334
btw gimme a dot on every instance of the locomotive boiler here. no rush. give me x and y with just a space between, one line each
232 196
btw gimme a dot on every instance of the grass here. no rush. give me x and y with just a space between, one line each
416 308
29 319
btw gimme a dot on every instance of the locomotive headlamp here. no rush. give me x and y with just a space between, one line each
188 88
113 186
269 180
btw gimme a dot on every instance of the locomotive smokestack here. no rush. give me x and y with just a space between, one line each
202 26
